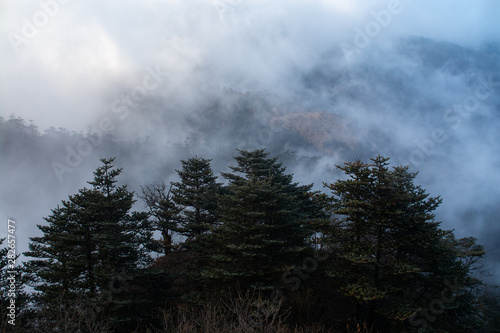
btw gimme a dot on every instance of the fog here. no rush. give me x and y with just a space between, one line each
315 82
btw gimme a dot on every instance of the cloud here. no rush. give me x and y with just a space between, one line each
84 50
391 72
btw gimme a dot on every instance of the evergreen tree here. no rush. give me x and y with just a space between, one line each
89 242
196 195
263 227
187 207
391 258
62 268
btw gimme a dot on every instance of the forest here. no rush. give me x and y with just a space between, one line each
250 166
251 251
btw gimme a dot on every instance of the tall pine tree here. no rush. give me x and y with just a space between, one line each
196 195
391 259
263 227
90 243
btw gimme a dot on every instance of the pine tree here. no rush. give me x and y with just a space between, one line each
263 227
62 268
196 195
89 243
391 258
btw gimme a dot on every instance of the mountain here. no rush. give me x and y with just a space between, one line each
429 104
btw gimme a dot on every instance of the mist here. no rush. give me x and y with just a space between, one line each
317 83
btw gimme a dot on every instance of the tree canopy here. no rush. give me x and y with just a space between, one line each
391 257
374 254
89 241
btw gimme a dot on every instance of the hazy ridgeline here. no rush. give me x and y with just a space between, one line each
428 104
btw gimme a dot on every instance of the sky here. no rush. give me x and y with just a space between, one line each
71 64
62 60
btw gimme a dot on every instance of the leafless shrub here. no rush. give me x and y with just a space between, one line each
256 313
75 315
248 312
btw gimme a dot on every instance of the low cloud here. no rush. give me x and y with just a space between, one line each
317 82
